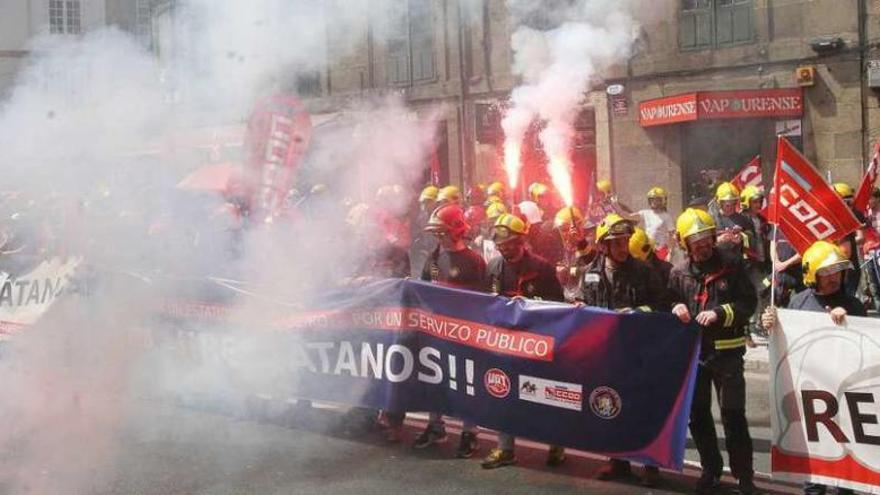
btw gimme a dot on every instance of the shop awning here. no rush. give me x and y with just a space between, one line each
706 105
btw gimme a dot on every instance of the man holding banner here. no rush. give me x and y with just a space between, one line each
713 288
451 264
825 268
519 273
617 281
814 215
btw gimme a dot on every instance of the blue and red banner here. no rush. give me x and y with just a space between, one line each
614 384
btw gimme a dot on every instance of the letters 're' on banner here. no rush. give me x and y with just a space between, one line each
803 205
825 391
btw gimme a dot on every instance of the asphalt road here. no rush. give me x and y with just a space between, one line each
164 448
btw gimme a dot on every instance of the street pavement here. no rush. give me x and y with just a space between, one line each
166 448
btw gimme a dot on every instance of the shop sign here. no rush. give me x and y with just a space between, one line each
722 105
680 108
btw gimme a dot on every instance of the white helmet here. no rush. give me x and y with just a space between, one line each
530 210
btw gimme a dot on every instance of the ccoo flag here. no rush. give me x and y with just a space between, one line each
803 205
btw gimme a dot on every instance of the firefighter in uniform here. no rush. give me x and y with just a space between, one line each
543 238
735 231
713 288
758 254
519 273
616 280
423 243
851 242
452 264
825 268
579 249
606 203
498 190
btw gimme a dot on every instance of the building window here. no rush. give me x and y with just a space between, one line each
308 84
65 17
411 42
715 23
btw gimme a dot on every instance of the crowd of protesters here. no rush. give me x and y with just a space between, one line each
714 264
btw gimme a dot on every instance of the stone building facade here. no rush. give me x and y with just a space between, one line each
23 20
456 54
684 47
759 47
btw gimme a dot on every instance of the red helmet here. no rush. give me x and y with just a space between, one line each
476 195
448 218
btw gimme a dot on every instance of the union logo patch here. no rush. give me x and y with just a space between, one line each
605 402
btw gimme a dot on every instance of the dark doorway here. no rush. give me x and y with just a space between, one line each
713 152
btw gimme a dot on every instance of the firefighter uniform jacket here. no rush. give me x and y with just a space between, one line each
741 222
463 269
532 277
722 285
633 285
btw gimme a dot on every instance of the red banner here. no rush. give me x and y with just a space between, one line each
722 105
749 175
278 135
860 201
803 205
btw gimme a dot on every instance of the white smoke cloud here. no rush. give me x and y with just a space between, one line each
557 64
85 137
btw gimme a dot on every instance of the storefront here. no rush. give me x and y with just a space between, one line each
720 131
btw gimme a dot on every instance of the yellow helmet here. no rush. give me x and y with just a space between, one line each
449 193
319 189
568 216
726 192
640 244
493 198
748 194
823 258
843 190
429 194
495 210
536 190
496 189
604 186
694 223
509 227
357 215
612 227
657 192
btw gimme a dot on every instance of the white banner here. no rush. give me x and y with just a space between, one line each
25 297
825 384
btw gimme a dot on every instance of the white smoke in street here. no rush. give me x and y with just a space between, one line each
558 63
86 158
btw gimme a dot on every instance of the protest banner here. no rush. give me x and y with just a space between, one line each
825 382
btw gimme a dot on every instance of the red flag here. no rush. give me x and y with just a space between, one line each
860 201
803 205
749 175
278 134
